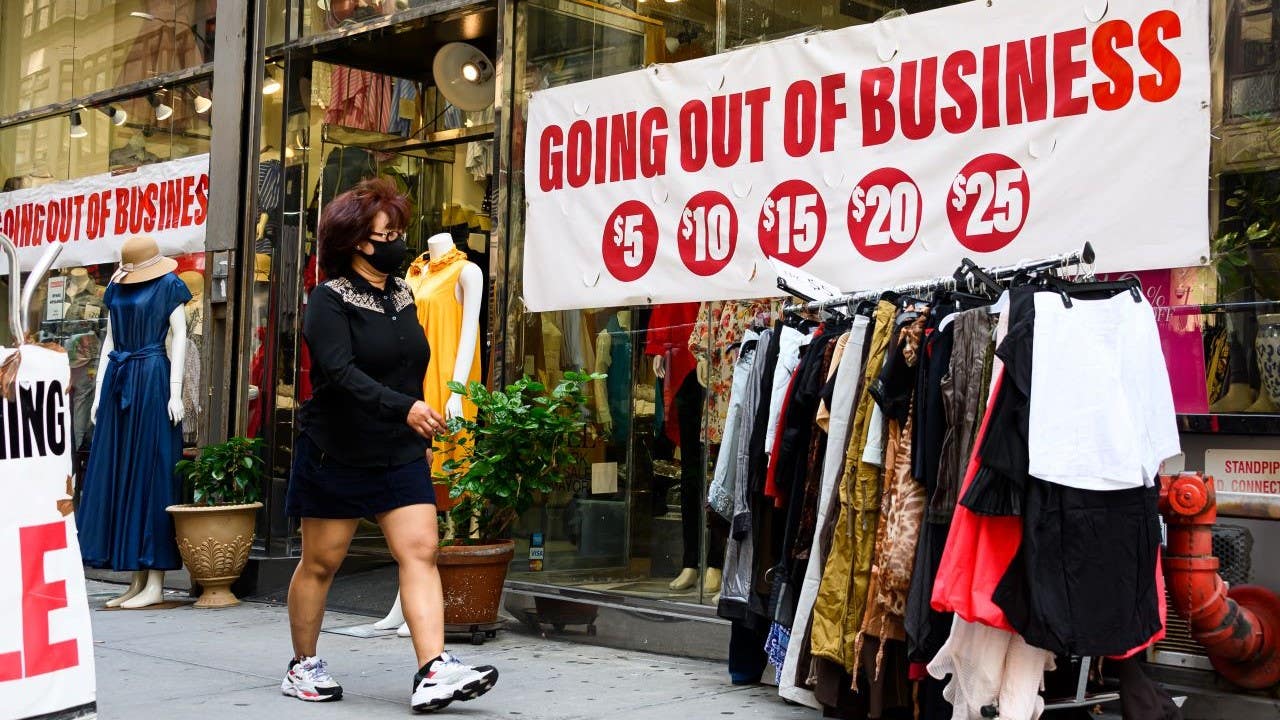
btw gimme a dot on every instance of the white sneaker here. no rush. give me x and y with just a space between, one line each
309 679
442 681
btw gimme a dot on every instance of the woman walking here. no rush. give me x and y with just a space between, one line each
364 446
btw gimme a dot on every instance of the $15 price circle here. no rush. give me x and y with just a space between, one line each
884 214
793 222
630 241
988 202
708 233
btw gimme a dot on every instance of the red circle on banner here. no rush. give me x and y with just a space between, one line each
707 233
988 202
884 214
793 223
630 241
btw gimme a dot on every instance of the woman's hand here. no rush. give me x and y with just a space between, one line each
424 420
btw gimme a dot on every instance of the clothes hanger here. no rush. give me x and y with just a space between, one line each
1066 288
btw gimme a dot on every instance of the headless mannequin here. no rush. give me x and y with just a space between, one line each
147 586
469 291
604 360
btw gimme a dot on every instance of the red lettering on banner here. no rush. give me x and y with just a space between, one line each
755 100
41 597
960 117
1159 26
653 135
693 136
121 211
602 148
1066 70
726 133
1028 86
150 198
800 126
202 199
833 110
579 155
104 211
1107 41
990 87
622 152
188 185
551 163
877 109
918 97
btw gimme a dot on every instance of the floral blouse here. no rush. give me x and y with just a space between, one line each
715 340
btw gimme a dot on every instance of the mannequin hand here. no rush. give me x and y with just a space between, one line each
93 412
176 411
702 373
453 408
606 422
424 420
659 366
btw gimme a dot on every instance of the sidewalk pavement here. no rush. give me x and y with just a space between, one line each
227 664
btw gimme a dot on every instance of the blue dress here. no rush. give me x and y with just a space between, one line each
130 480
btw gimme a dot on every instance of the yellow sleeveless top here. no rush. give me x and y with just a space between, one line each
435 292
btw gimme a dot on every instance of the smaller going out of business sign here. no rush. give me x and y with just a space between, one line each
1244 471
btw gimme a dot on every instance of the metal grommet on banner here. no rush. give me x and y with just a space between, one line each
742 192
1095 10
834 183
581 110
590 281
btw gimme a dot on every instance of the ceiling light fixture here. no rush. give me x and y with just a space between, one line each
163 112
464 75
271 85
118 115
202 103
77 128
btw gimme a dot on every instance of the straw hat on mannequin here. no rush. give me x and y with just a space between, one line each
140 261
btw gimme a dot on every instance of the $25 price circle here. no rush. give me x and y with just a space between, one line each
793 222
988 202
707 233
884 214
630 241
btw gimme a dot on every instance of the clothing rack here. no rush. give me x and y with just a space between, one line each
969 275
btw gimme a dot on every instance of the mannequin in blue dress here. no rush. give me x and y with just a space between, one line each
137 410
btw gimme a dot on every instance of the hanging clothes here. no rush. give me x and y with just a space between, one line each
723 482
721 326
668 337
130 480
842 595
440 312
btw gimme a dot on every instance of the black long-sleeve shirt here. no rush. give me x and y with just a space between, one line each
369 356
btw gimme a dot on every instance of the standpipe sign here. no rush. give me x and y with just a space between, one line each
877 154
1256 472
92 217
46 643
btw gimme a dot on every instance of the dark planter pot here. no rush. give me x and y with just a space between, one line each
472 577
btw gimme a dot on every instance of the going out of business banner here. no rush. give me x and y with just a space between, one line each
46 644
92 217
878 154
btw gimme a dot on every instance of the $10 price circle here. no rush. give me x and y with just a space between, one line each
793 222
630 241
707 233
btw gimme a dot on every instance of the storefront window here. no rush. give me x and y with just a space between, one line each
53 52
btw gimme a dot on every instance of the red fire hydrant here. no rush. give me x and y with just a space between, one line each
1240 627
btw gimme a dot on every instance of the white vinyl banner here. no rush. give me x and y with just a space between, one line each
46 644
92 217
878 154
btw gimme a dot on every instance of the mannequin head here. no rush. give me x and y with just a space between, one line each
78 281
439 245
194 282
140 261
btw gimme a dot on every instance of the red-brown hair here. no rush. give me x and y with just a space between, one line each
347 221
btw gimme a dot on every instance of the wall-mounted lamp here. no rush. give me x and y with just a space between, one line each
163 112
270 85
77 127
118 115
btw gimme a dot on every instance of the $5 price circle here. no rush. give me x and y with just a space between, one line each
988 202
793 222
884 214
707 233
630 241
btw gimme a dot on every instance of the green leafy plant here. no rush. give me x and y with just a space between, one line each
1250 225
523 441
227 473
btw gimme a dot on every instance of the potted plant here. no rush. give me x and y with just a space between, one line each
215 531
519 448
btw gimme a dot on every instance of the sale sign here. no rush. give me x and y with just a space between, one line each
877 155
92 217
46 644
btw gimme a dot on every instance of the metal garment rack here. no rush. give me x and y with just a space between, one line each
19 297
969 275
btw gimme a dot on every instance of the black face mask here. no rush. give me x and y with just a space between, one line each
387 257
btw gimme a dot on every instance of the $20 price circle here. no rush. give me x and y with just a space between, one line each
884 214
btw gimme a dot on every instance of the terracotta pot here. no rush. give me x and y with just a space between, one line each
472 577
214 541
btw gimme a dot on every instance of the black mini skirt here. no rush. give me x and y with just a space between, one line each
321 487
